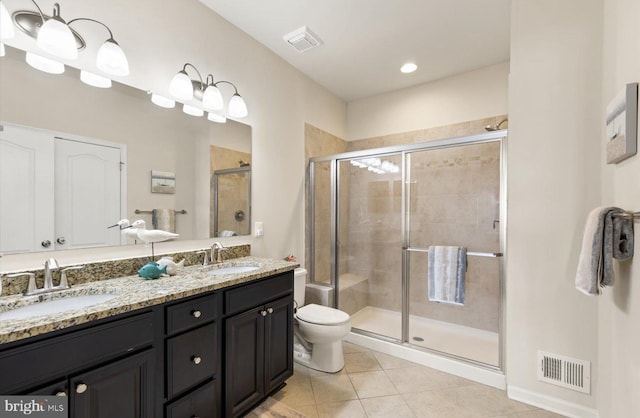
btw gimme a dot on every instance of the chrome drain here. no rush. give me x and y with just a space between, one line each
418 339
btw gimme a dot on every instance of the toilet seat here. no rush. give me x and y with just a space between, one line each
322 315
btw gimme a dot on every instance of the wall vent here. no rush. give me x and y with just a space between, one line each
564 371
302 39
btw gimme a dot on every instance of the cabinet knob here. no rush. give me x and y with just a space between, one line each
270 310
81 388
46 243
61 393
61 240
196 314
196 359
263 313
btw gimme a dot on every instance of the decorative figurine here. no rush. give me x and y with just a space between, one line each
152 271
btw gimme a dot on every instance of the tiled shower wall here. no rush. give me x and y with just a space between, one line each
234 190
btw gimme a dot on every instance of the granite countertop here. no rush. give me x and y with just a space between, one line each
132 293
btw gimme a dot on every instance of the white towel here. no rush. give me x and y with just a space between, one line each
164 219
446 274
227 233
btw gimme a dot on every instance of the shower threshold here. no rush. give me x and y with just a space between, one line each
458 340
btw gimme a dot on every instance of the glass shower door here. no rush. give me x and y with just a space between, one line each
369 231
453 197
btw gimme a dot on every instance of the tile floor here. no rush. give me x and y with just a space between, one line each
374 384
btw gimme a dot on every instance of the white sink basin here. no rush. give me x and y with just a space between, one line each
55 306
233 269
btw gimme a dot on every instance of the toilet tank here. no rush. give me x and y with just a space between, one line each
299 285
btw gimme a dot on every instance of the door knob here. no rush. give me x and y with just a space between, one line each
61 240
81 388
46 243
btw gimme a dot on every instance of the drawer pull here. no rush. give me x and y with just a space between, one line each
196 359
61 393
196 314
270 310
263 313
81 388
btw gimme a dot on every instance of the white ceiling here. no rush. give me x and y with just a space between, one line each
366 41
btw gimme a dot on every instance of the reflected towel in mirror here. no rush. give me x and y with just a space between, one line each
164 219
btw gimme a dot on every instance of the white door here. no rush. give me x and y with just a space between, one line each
26 190
87 194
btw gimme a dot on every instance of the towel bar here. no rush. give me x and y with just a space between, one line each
473 253
632 215
138 211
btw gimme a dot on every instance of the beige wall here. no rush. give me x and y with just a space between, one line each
553 181
468 96
280 100
619 306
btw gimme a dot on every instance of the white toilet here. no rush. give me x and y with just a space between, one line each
319 331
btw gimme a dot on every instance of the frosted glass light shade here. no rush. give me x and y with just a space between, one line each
56 38
408 68
181 87
214 117
6 25
2 51
237 107
192 110
111 59
94 80
212 98
44 64
162 101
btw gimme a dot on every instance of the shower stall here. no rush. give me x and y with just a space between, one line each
373 215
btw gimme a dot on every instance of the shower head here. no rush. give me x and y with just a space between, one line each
495 127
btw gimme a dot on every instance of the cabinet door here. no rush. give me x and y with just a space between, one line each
278 343
122 389
244 375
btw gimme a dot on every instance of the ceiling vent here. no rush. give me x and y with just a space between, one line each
302 39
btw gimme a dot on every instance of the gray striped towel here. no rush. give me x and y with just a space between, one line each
446 274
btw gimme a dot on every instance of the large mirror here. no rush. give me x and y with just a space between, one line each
168 161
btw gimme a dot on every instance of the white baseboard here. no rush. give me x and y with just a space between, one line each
468 371
557 405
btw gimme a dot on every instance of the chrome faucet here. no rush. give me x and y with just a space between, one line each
218 254
49 265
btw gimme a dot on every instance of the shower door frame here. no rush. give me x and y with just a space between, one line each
402 150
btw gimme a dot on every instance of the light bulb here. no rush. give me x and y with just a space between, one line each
111 59
6 26
237 107
44 64
94 80
408 68
192 110
214 117
162 101
56 38
181 87
212 98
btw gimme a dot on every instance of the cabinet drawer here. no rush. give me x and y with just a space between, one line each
191 358
251 295
199 403
49 359
192 313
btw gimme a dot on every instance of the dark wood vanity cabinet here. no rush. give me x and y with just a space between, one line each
258 342
173 360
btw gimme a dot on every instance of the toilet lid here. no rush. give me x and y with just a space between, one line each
322 315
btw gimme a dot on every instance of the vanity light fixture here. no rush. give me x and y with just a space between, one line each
56 37
162 101
206 92
6 28
44 64
95 80
192 110
215 117
2 51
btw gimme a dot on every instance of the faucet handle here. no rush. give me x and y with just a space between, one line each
206 257
51 263
63 276
32 281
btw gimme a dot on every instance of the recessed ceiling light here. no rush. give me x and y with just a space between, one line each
408 68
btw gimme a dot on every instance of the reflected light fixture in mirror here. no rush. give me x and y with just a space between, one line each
206 93
192 110
214 117
6 28
2 51
95 80
57 38
162 101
